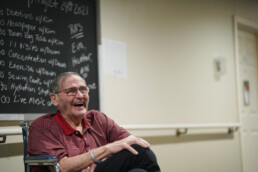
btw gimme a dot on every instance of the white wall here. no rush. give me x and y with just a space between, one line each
170 50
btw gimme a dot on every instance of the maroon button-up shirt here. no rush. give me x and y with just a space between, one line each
51 134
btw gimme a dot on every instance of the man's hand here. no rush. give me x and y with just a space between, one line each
126 144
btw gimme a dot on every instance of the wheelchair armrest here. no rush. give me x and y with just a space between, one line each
40 157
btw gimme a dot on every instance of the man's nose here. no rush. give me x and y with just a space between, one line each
78 94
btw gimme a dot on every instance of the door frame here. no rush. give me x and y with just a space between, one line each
240 22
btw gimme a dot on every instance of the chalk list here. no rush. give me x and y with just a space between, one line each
40 39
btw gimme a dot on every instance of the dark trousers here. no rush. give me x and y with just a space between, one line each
125 161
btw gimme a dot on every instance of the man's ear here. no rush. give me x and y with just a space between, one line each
54 99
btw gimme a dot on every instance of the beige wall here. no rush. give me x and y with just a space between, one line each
11 152
170 50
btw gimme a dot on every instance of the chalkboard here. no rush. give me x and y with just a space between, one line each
40 39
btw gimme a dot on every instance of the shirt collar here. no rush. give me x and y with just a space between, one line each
67 129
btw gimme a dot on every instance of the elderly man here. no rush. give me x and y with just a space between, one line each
85 141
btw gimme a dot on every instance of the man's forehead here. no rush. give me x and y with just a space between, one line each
70 77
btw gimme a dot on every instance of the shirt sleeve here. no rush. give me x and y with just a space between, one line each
114 132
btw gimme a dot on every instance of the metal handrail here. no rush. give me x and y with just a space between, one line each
5 131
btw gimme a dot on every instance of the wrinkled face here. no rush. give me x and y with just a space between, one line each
71 106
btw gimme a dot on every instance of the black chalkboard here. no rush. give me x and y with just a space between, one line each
40 39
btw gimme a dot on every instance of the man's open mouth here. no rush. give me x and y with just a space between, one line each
78 104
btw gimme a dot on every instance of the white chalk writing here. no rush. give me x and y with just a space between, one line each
20 87
43 19
77 46
76 30
43 71
81 59
66 6
20 67
19 13
56 62
29 58
21 25
46 3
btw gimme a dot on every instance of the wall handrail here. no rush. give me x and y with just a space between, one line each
181 126
10 131
5 131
